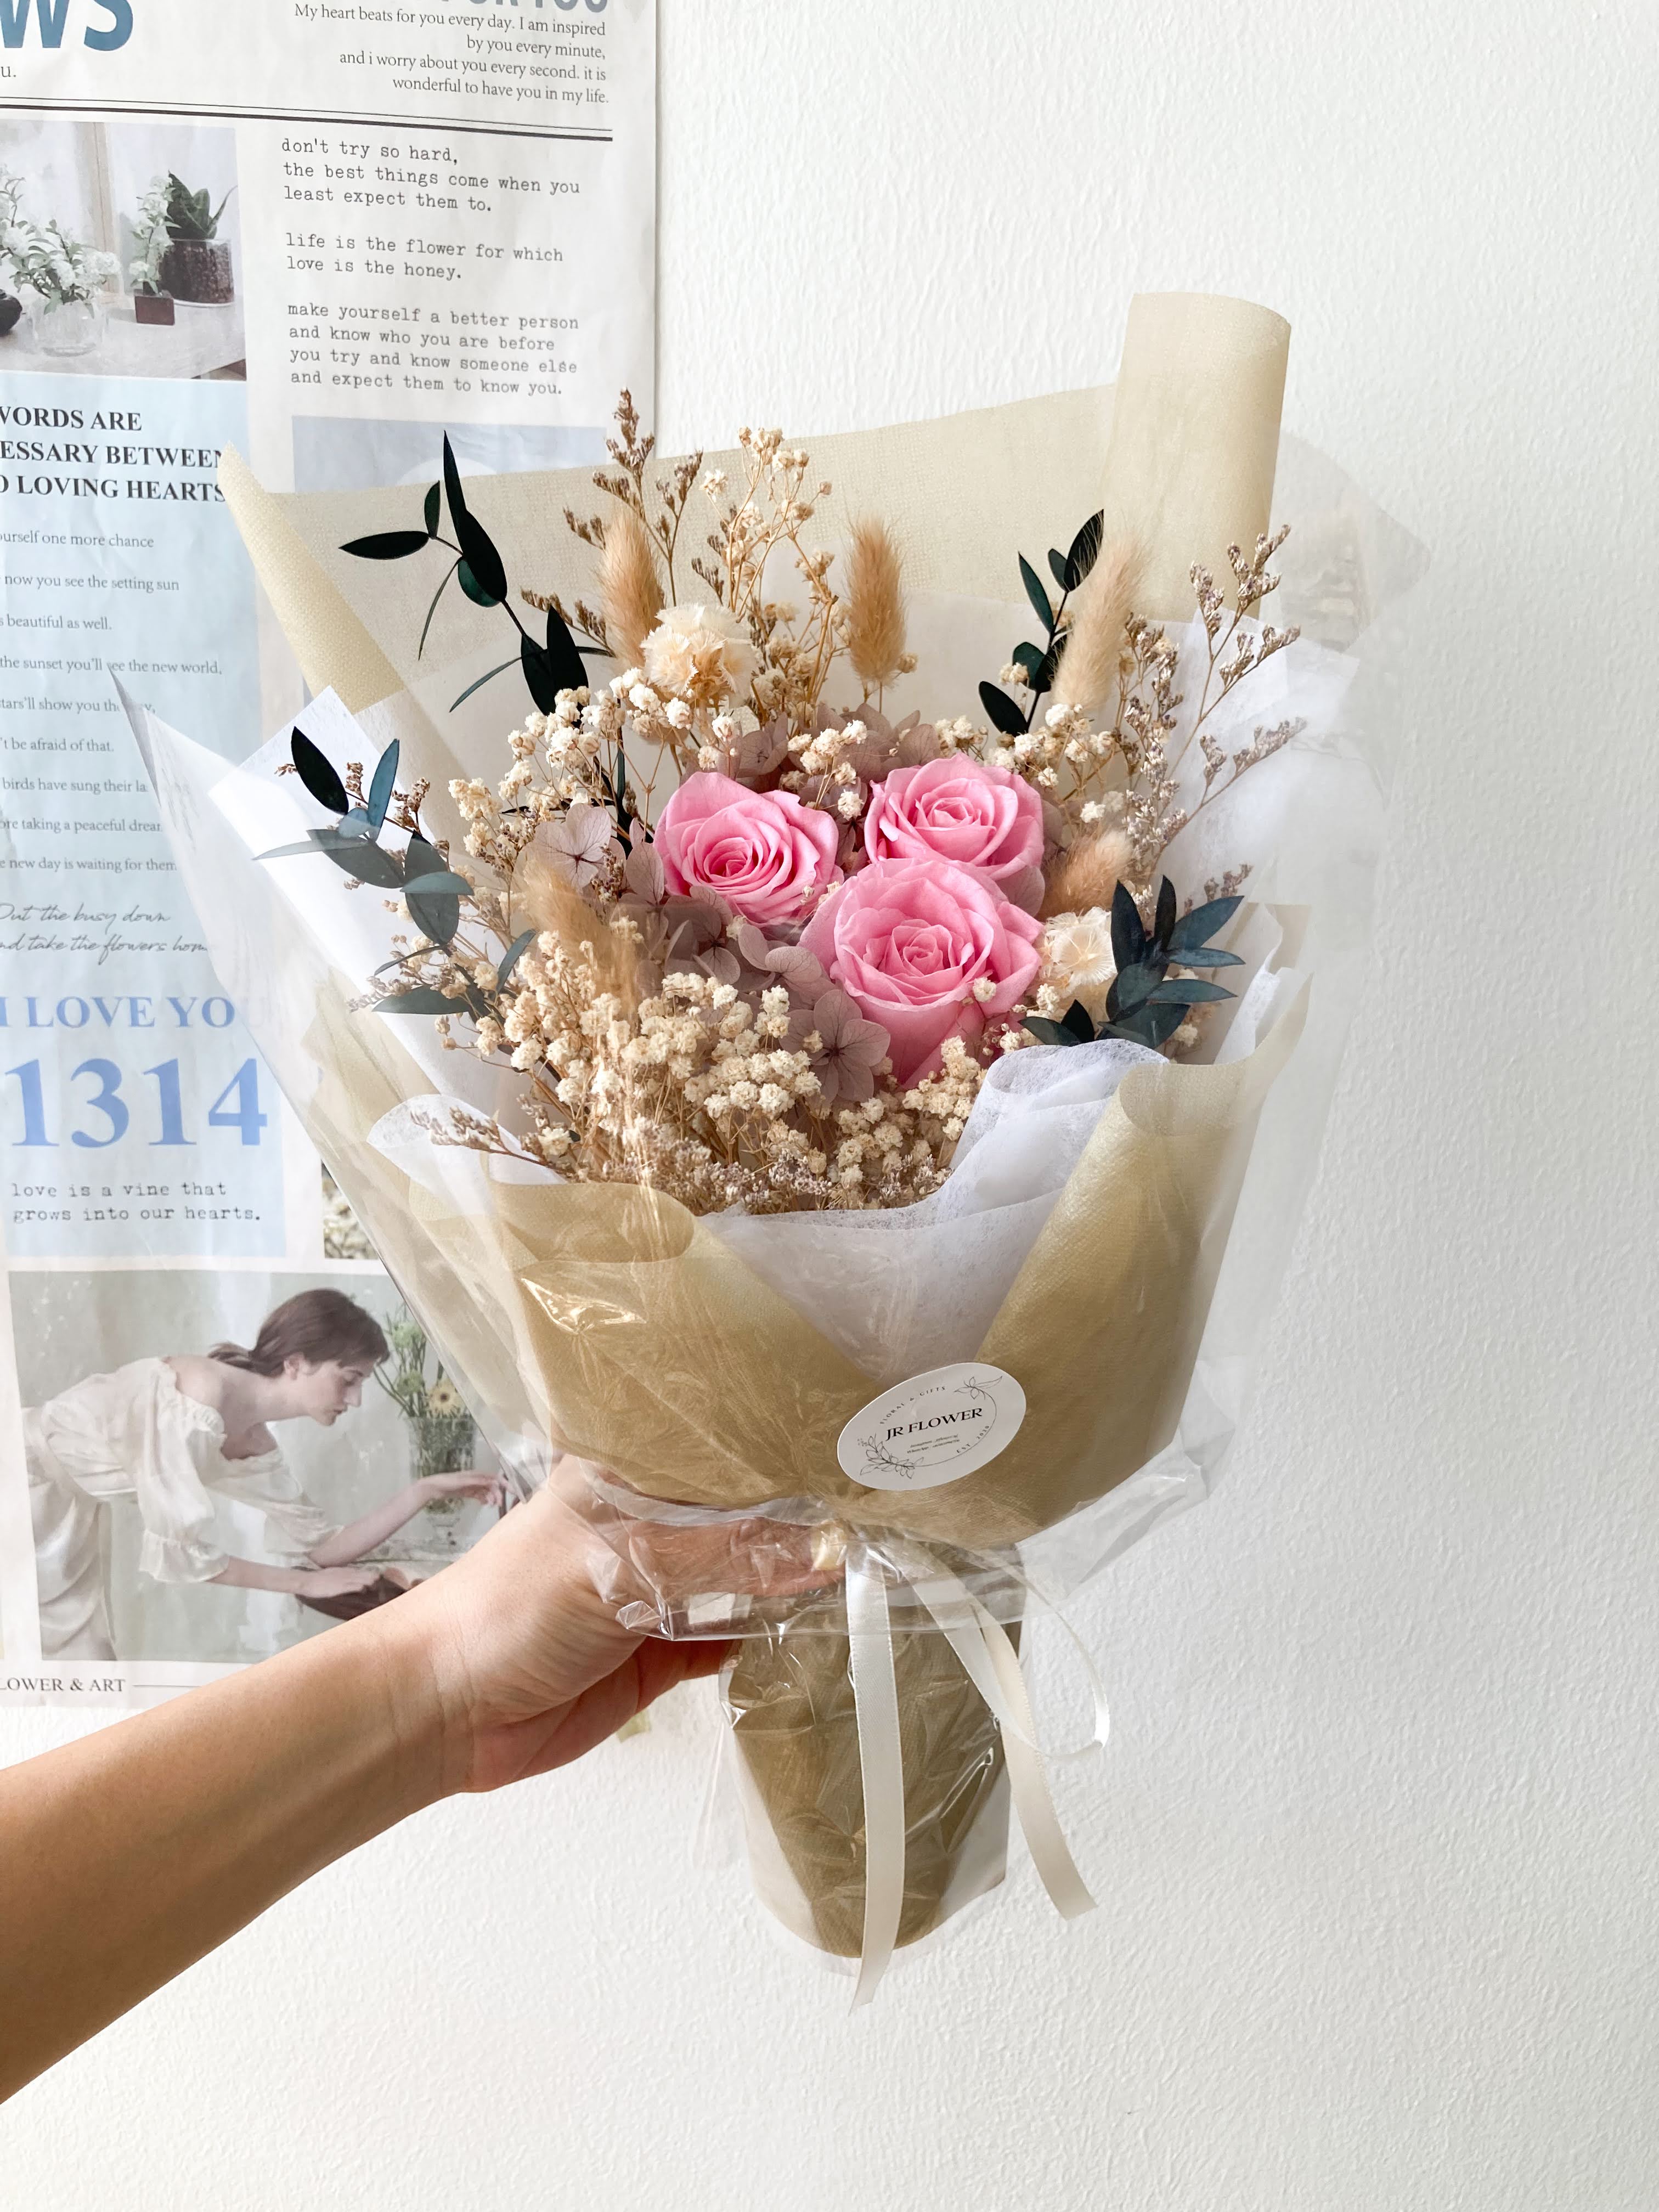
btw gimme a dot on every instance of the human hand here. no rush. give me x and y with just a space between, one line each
332 1582
512 1658
471 1482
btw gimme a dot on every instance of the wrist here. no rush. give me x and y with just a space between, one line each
428 1712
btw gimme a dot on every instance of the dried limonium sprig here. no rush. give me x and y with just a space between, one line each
1115 785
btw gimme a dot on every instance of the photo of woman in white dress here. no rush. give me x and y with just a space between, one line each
171 1432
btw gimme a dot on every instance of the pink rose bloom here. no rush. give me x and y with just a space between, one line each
907 941
768 856
958 810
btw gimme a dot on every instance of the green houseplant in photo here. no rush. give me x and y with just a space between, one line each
151 300
196 265
11 198
442 1435
63 278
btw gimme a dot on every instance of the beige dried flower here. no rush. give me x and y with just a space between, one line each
1090 666
575 846
696 654
629 587
1087 874
874 604
1078 961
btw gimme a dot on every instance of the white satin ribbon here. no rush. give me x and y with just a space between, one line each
881 1766
990 1660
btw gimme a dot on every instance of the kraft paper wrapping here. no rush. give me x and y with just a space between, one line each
303 600
790 1701
631 1333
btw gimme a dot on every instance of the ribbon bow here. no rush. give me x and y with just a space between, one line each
992 1665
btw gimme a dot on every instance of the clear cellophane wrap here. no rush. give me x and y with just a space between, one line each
1114 1225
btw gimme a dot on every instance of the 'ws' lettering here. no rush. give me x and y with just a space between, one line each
52 17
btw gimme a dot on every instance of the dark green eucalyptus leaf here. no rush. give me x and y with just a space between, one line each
1192 930
1128 932
1030 656
1085 551
570 670
388 545
1036 595
514 953
1186 991
480 595
453 569
500 667
437 913
1135 983
361 857
1077 1019
423 859
538 675
1043 677
423 999
1005 715
432 511
438 880
1057 567
317 772
382 785
452 492
1047 1032
483 560
1207 956
1164 918
1151 1025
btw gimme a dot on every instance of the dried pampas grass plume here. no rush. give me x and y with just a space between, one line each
1087 874
629 590
875 606
1089 667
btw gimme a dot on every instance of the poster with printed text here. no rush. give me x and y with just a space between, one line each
329 236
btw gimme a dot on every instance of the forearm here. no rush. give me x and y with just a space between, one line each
363 1535
256 1574
126 1856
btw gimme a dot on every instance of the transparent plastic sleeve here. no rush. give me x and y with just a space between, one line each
1111 1235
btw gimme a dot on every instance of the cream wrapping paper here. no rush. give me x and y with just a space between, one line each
616 1326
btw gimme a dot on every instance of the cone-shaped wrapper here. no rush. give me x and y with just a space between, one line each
334 651
1189 471
637 1337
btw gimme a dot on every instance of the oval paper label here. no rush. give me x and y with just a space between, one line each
933 1429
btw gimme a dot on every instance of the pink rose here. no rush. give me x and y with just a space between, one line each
908 940
768 856
958 810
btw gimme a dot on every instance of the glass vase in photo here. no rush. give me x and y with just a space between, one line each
66 327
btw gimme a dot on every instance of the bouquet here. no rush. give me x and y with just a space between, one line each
812 1083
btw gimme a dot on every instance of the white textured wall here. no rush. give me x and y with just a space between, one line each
1379 1822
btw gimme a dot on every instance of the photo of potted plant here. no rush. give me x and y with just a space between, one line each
196 265
151 301
11 199
62 278
444 1438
